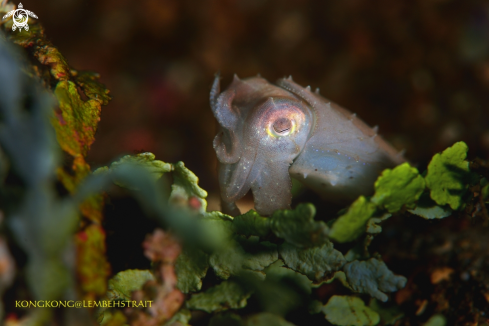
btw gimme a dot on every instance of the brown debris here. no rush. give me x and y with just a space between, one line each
162 248
422 307
441 274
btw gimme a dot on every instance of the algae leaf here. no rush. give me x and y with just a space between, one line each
216 229
433 212
267 319
227 295
244 255
389 314
147 161
436 320
226 319
373 277
278 272
448 176
75 124
259 255
185 189
428 209
398 187
352 224
91 259
316 263
77 120
261 319
227 261
93 89
124 283
181 318
297 226
185 186
282 290
349 310
251 223
110 317
373 224
191 266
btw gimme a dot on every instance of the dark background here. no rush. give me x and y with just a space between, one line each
418 69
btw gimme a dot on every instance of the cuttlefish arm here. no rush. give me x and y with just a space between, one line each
269 133
226 142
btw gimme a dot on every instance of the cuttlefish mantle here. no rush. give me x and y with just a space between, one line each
271 132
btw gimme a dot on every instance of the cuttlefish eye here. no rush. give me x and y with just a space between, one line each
282 127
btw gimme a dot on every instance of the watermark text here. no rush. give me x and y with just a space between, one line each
81 304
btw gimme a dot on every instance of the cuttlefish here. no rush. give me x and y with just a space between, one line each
270 133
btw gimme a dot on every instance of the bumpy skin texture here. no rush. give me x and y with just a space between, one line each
270 133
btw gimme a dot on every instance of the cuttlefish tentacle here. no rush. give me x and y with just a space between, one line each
226 142
215 90
229 195
227 207
240 177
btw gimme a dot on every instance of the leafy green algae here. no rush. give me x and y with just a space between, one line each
448 176
267 319
317 263
191 267
185 186
349 310
251 223
352 224
389 313
124 283
306 252
261 319
373 277
77 119
279 272
436 320
227 295
226 319
298 226
485 191
428 209
247 256
398 187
